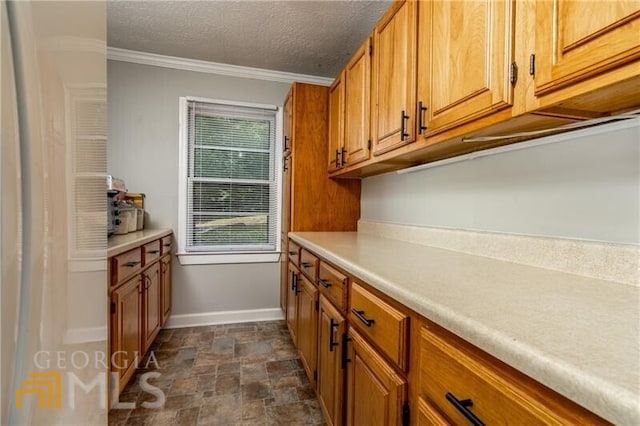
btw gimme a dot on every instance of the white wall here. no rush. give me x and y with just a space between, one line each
585 188
143 150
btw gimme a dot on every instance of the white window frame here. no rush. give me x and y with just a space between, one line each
205 258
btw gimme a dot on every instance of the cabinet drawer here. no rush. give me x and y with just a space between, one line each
151 251
165 244
332 284
308 264
387 327
455 380
294 253
126 264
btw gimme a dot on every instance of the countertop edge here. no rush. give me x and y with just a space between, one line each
122 243
601 397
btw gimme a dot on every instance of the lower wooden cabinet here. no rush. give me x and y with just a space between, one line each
151 305
165 287
292 302
376 394
307 325
126 329
139 306
331 328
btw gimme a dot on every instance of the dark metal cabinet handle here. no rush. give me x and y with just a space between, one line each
285 164
332 326
132 264
361 317
293 280
168 245
324 283
286 143
306 264
421 111
337 160
345 356
153 251
403 126
293 253
343 161
463 407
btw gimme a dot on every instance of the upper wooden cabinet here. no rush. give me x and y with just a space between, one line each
465 50
576 40
394 77
336 123
357 106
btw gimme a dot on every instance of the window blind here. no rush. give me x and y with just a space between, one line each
232 188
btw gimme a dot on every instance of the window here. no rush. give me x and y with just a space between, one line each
230 189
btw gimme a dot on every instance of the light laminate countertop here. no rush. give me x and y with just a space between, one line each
117 244
579 336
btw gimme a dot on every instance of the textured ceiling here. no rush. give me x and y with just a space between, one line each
306 37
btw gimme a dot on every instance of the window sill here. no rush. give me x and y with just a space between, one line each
227 258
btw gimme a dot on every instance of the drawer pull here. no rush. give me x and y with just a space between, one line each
361 317
345 356
463 407
131 264
293 253
153 251
324 283
167 245
306 264
332 325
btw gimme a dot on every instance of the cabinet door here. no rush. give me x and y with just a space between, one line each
394 77
126 328
165 289
465 52
151 305
375 392
307 325
357 105
336 123
577 39
331 327
293 279
286 199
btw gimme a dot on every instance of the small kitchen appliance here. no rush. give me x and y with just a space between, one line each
115 191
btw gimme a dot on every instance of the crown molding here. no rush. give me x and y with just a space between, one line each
133 56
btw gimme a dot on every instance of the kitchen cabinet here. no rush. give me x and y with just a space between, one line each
307 326
140 302
394 77
575 41
311 200
331 329
151 306
291 312
336 123
465 53
376 394
126 329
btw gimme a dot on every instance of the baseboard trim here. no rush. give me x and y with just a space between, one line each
224 317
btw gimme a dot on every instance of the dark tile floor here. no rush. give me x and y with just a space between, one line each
236 374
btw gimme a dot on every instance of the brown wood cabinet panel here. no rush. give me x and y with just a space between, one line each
151 308
294 253
449 373
375 392
464 53
308 326
336 123
429 416
577 40
165 287
166 243
331 327
394 77
126 329
293 278
333 284
317 203
151 252
309 264
357 106
387 327
125 265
